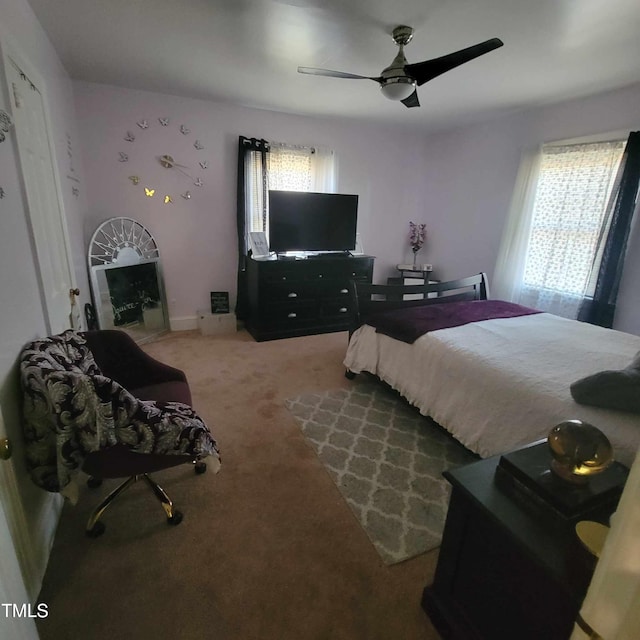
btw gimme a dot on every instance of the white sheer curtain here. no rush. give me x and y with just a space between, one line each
509 270
301 168
555 222
324 170
254 192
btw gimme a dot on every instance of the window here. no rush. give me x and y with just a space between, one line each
289 168
561 223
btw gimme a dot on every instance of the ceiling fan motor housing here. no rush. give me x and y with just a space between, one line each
395 84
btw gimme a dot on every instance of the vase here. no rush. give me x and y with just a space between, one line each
415 257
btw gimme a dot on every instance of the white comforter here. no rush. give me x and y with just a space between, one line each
497 385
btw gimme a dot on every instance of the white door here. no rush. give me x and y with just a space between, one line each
12 587
47 222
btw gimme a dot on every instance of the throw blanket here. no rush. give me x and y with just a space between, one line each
70 410
409 324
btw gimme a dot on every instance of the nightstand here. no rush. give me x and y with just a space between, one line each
413 275
509 567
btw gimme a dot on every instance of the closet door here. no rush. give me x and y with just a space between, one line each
41 184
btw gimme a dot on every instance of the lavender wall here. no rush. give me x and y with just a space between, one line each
458 182
469 175
197 238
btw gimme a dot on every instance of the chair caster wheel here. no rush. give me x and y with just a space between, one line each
349 375
94 483
200 467
176 518
96 531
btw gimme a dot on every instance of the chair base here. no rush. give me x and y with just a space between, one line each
96 528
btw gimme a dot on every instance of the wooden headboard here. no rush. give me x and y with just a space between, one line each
369 298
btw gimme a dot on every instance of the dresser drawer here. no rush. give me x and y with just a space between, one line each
281 275
335 308
289 314
344 274
285 292
337 290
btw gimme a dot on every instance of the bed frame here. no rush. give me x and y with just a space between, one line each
370 298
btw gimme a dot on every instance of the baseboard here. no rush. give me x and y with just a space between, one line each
187 323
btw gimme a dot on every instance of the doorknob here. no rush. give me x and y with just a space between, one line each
6 448
74 292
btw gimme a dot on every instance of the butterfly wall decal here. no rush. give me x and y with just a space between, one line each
143 124
134 179
129 137
204 164
164 121
184 130
122 157
198 145
149 192
168 200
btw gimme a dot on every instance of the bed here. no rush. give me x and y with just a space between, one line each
494 383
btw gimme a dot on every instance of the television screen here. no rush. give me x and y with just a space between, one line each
305 221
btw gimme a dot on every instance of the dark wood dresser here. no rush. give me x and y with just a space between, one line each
290 298
509 566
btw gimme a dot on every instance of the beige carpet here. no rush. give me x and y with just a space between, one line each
268 548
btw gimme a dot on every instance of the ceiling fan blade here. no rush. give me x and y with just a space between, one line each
412 100
334 74
429 69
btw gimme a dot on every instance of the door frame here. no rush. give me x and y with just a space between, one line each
26 547
14 537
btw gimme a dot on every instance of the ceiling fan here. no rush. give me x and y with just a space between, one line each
399 80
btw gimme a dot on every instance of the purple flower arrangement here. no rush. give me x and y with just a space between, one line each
417 236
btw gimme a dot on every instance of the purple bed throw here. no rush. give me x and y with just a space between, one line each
409 324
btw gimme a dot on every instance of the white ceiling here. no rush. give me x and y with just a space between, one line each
246 52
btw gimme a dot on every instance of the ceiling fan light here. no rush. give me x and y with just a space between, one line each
398 88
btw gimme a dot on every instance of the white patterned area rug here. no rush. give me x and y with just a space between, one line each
386 460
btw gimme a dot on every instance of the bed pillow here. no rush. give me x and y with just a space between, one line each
611 389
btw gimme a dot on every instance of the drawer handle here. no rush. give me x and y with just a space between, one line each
342 309
292 315
292 295
344 290
319 275
284 277
353 273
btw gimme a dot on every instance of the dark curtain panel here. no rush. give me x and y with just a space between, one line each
246 147
601 308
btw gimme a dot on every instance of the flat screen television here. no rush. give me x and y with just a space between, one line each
307 221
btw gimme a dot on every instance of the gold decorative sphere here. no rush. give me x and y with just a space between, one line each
579 451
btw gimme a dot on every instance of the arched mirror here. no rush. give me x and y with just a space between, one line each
126 279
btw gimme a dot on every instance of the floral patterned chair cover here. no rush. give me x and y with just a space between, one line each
71 409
